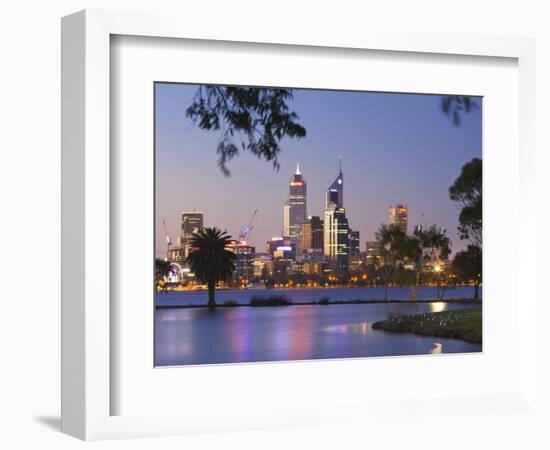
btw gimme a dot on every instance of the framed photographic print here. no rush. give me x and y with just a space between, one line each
290 223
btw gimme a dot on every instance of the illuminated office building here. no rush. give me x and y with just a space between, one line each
398 215
295 207
191 222
374 255
336 238
354 243
244 265
312 234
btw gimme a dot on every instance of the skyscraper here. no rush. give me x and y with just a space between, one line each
312 234
335 226
244 265
373 253
295 207
284 246
398 215
336 237
191 222
355 263
335 192
354 243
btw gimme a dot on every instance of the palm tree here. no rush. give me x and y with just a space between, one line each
210 260
162 270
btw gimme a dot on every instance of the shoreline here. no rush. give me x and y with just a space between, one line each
463 324
465 301
293 288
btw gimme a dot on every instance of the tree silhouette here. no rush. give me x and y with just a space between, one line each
391 240
455 106
210 260
162 270
467 191
249 119
467 265
426 245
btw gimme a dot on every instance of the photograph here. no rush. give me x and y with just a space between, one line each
295 224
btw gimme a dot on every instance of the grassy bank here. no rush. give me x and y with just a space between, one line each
464 324
279 300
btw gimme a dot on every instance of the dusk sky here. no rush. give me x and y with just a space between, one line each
395 148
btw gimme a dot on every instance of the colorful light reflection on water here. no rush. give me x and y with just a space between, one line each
234 335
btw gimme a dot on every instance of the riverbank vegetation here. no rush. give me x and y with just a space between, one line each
272 300
464 324
280 300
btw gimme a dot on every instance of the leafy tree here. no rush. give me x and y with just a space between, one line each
434 243
427 245
162 270
410 252
210 260
455 106
391 240
467 265
467 190
436 247
404 276
249 119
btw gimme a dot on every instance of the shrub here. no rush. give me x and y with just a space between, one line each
324 301
272 300
230 303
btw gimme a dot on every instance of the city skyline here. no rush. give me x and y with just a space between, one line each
229 202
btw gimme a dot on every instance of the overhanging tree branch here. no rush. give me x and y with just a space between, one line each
262 115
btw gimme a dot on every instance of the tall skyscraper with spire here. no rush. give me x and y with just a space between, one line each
335 225
335 192
295 211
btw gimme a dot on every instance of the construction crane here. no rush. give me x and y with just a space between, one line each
245 232
168 240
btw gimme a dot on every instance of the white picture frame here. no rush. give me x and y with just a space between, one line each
87 326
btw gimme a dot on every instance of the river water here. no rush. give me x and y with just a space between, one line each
234 335
309 295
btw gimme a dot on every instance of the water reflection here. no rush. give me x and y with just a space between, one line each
361 328
237 335
301 328
438 348
436 307
228 335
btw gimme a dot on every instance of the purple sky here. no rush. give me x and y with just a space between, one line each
395 148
